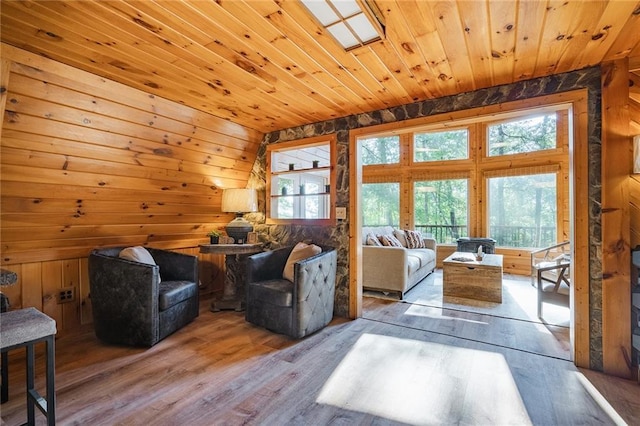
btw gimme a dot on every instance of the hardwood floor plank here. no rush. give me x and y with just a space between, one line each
221 370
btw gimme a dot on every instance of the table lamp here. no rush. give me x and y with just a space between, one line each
239 201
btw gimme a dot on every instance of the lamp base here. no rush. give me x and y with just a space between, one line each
238 229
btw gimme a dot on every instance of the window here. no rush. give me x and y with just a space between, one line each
530 134
523 210
440 209
381 204
492 172
380 150
300 179
438 146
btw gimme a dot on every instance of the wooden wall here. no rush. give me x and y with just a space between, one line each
88 162
634 128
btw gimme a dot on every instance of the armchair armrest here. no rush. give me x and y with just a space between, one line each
430 243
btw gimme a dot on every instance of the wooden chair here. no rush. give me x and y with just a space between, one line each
550 268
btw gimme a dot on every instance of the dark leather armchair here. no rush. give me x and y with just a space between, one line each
296 308
131 305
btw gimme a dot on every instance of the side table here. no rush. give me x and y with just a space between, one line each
235 255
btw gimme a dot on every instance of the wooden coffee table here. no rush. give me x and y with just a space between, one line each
464 276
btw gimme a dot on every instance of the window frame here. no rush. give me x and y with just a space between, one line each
477 165
297 145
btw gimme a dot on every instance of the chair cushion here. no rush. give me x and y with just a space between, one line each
278 292
137 254
299 252
174 292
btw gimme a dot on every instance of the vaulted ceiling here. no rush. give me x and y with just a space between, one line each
268 65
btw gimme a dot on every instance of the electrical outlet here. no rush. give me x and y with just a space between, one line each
66 295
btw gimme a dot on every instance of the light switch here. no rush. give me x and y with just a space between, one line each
341 213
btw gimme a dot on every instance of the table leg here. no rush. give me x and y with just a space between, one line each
233 294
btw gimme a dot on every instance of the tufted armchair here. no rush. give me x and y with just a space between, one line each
296 308
140 304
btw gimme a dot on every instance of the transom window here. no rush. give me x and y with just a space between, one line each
438 146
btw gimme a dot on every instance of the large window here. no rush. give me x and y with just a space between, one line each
500 175
523 210
440 209
438 146
381 204
380 150
518 136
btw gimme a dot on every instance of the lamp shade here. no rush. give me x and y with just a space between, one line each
239 200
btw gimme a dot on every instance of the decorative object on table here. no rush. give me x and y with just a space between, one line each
479 254
315 164
132 304
214 236
225 239
252 238
239 201
291 166
295 308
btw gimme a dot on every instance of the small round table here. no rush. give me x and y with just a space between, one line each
235 256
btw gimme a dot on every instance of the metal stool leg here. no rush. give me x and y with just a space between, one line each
5 377
31 418
51 389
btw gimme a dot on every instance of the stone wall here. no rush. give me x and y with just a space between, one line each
338 236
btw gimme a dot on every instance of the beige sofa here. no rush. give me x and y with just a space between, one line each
395 269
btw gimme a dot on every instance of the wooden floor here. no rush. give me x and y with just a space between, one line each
403 364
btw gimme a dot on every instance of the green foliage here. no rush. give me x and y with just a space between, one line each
437 146
380 150
525 135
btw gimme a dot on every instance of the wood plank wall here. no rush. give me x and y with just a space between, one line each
88 162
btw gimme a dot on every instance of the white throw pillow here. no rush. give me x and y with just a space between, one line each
299 252
399 234
137 254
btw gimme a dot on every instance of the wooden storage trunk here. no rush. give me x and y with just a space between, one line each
473 280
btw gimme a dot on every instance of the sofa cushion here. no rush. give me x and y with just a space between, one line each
375 230
174 292
414 239
414 263
424 256
372 240
300 251
389 241
399 234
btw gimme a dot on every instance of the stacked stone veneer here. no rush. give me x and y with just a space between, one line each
338 236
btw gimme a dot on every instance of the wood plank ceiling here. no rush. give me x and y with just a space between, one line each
268 65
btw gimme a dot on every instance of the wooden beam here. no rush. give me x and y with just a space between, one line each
616 167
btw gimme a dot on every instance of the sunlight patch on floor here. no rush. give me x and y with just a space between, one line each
440 314
418 382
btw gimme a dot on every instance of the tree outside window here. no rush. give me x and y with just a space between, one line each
441 209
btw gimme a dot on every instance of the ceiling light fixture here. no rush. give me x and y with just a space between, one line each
353 23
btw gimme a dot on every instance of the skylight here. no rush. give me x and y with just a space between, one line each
351 22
